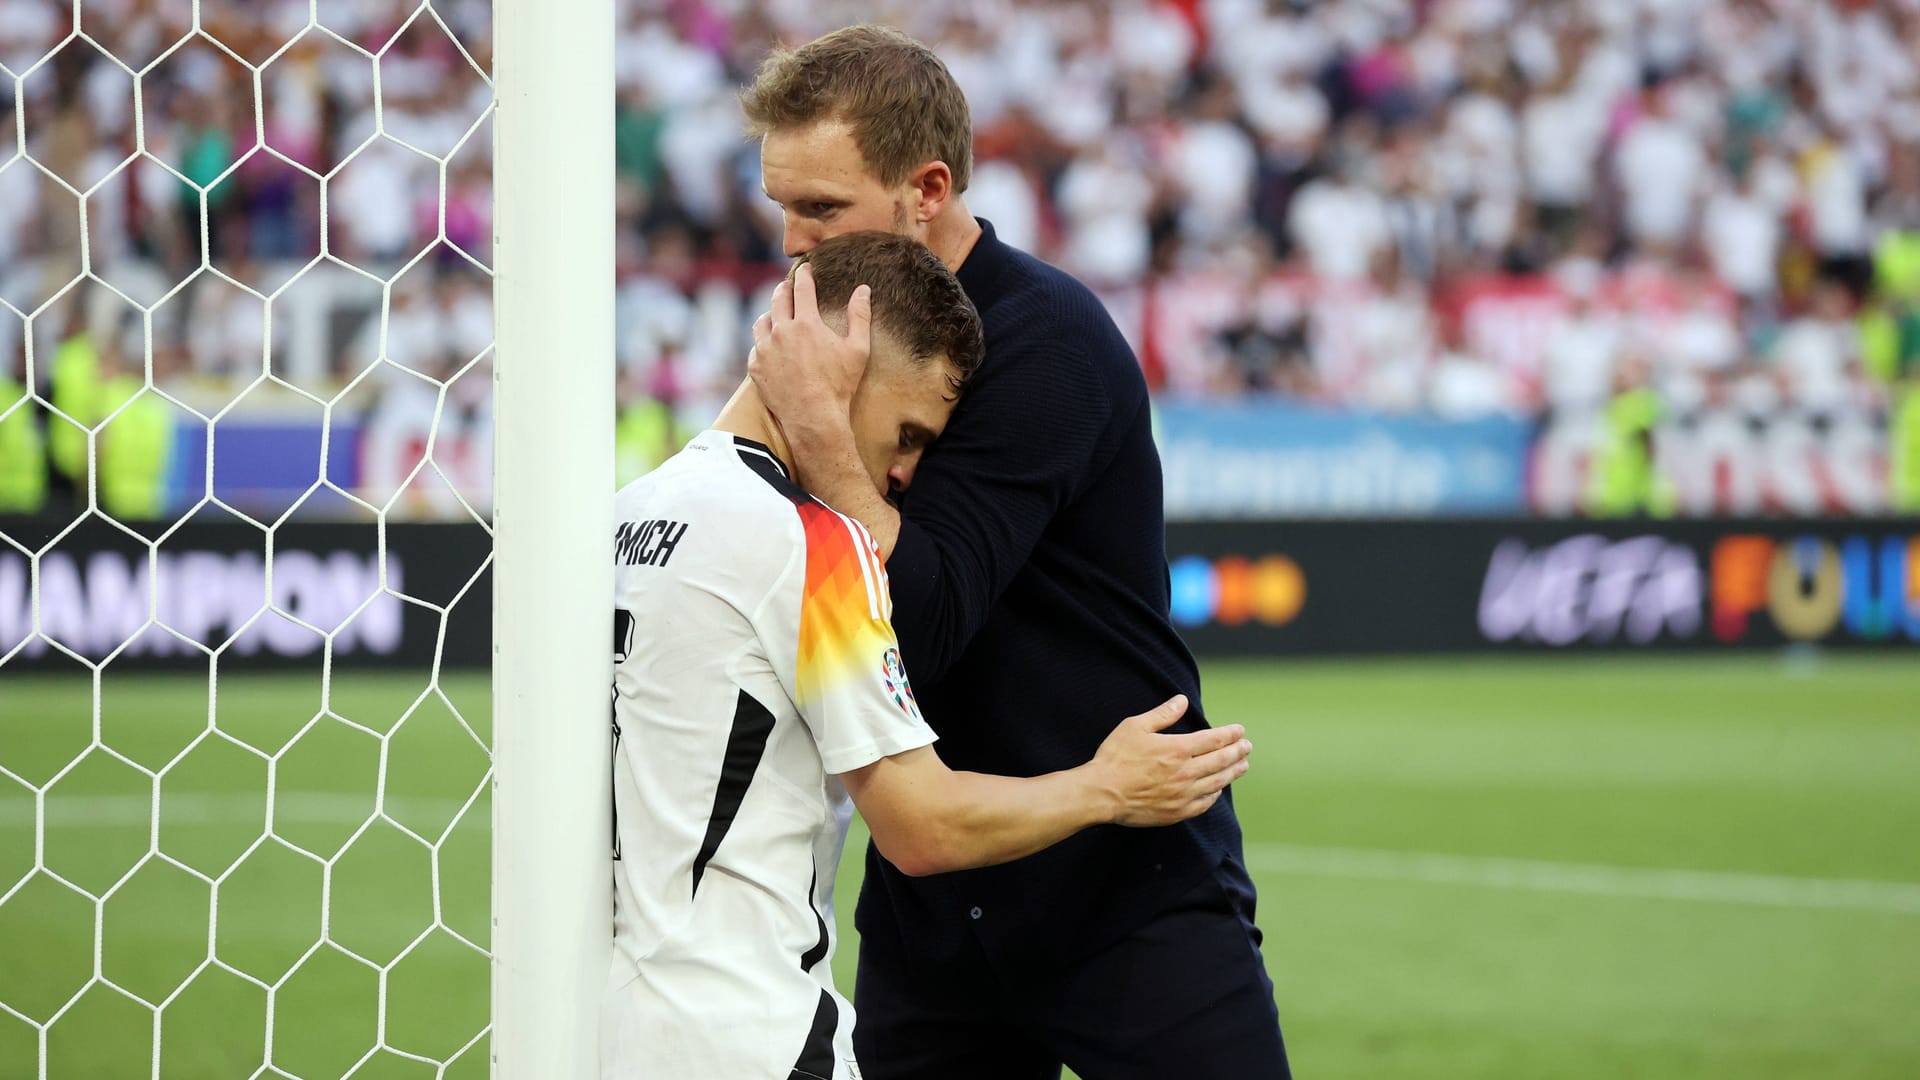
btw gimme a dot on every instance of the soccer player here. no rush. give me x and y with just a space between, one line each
758 685
1030 595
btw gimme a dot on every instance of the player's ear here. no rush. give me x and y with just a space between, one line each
932 186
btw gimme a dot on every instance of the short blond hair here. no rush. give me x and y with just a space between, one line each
897 96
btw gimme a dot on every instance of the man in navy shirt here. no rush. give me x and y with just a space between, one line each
1029 577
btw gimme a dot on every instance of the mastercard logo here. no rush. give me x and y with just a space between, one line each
1234 590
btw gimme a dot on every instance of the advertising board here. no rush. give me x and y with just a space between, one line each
1238 588
1269 458
335 592
1261 588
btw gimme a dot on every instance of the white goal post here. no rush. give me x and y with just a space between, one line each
553 533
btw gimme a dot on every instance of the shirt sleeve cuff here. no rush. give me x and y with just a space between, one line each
847 759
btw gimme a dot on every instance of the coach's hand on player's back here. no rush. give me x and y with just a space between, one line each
1161 779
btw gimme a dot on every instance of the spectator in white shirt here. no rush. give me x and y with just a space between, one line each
1105 196
1815 354
1836 202
1339 223
1212 165
1562 131
1740 231
1582 351
1464 384
1660 165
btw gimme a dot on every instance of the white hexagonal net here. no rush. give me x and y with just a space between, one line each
245 347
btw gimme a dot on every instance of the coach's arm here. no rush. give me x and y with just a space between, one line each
928 819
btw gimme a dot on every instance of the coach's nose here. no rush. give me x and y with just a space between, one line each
801 236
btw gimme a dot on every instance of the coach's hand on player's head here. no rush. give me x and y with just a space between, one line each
1161 779
805 370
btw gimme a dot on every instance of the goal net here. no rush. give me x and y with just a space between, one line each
248 545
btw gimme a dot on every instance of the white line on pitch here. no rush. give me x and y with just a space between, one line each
1702 886
1699 886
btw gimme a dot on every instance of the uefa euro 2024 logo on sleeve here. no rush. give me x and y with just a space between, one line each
898 688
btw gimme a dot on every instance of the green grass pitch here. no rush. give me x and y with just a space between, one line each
1468 868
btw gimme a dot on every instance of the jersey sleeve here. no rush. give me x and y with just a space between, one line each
850 685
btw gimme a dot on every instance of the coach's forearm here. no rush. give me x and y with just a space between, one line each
972 819
831 470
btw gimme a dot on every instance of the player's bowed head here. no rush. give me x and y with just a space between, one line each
901 337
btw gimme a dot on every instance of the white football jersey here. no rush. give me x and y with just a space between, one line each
754 661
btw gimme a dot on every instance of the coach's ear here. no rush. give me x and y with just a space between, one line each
932 185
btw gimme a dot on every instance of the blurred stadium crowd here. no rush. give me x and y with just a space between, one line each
1594 217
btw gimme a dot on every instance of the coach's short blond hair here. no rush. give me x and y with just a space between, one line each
897 96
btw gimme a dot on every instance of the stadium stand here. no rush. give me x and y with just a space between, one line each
1590 217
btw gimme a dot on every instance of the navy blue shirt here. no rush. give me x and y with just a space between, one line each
1030 599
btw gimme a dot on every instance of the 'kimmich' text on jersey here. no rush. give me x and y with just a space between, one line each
646 543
